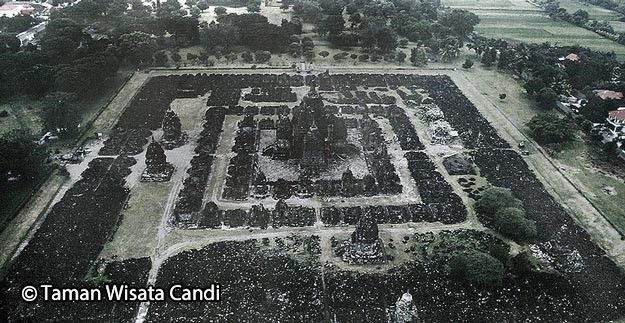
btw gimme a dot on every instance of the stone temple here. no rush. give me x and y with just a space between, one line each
364 247
312 136
172 134
157 168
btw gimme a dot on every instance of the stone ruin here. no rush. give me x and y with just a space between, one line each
173 136
312 136
441 133
365 246
158 169
405 310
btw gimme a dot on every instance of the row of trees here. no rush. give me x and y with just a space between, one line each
377 26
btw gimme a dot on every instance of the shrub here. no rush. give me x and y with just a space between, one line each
496 198
511 222
467 64
324 54
477 268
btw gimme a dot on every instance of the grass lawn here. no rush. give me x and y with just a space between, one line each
11 198
137 234
24 112
605 191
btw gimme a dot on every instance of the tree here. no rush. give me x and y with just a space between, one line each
211 216
160 58
418 56
309 11
333 24
477 268
546 98
9 43
309 55
247 57
511 222
548 129
253 6
220 11
138 47
489 56
461 22
259 216
262 56
282 190
467 64
175 56
495 198
61 38
203 5
369 185
533 86
169 8
225 35
401 57
20 154
580 17
60 113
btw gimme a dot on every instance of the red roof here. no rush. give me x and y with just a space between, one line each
618 114
609 95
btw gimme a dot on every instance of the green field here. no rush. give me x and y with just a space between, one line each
514 21
605 191
595 12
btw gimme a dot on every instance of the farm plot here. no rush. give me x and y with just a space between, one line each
516 22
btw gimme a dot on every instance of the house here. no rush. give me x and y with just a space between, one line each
614 130
609 95
616 122
570 57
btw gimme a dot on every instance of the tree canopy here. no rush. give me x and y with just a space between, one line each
548 128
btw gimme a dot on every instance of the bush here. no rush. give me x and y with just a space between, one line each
467 64
324 54
4 114
477 268
353 56
511 222
496 198
247 57
262 56
363 57
160 58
